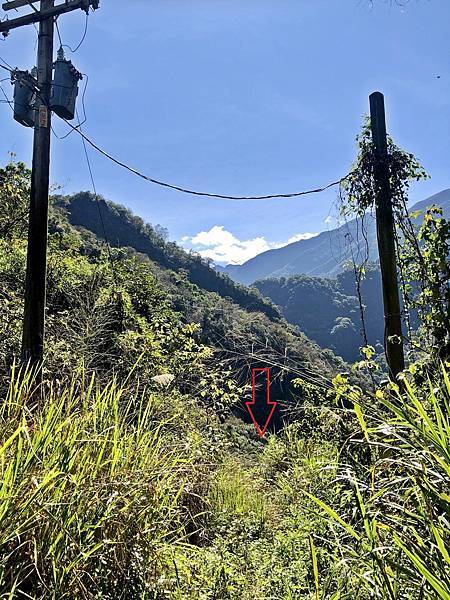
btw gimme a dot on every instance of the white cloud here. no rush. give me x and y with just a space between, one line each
216 236
329 220
225 248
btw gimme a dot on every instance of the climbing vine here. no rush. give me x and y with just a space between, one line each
422 249
423 257
358 189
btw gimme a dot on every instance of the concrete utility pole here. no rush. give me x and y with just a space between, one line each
393 342
35 285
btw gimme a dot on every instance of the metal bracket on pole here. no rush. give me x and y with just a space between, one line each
37 16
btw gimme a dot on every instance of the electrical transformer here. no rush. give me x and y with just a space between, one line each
65 87
24 97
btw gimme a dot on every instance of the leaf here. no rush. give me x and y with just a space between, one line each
435 583
333 514
362 422
312 548
368 351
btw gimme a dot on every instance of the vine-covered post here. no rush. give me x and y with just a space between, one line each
393 337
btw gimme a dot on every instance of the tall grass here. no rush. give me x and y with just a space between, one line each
107 492
92 490
396 527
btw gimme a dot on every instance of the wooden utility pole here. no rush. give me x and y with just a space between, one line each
35 285
393 337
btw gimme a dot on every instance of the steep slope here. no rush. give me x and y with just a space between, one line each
327 310
127 230
324 255
242 328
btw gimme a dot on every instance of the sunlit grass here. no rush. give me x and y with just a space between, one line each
398 517
107 491
90 491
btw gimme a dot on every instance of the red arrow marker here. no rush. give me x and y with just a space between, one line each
270 404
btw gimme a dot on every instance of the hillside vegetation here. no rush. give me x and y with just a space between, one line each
107 307
127 230
127 474
301 298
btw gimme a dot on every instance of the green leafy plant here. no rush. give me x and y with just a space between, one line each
399 514
424 260
358 190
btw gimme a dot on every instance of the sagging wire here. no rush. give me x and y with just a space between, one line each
196 192
82 38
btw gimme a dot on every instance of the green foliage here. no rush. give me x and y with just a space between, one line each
424 259
302 298
118 492
127 230
14 194
399 511
93 490
358 190
125 475
423 253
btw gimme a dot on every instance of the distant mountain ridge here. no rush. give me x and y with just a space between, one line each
324 255
328 311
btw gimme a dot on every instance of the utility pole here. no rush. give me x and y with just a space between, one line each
393 337
35 284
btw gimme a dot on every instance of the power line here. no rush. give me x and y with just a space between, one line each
86 25
84 75
58 32
10 102
6 100
35 10
194 192
12 71
8 66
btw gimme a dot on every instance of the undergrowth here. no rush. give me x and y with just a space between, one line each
112 491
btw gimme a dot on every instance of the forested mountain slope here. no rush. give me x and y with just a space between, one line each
328 310
99 313
324 255
125 229
125 472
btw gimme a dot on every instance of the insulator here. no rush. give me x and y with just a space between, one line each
24 97
64 88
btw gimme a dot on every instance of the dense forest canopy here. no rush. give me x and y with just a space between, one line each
302 298
112 311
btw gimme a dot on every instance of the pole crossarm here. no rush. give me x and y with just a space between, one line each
42 15
15 4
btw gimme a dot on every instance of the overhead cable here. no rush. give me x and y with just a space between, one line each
97 200
194 192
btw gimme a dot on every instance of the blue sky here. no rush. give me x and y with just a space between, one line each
244 97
